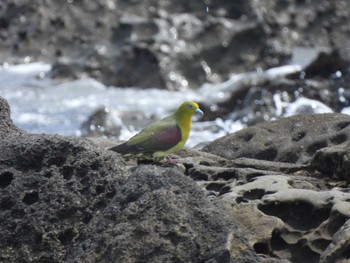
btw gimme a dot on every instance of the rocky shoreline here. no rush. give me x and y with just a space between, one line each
243 198
277 191
187 45
170 45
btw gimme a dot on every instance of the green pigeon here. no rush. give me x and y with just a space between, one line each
159 139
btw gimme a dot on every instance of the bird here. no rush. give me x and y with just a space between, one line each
159 139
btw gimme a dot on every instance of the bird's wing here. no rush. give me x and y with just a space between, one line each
158 136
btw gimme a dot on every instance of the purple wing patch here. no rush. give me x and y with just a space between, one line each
168 138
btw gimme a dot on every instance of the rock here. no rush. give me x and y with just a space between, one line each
68 199
163 217
337 251
102 122
51 188
293 140
326 64
311 218
288 168
108 122
289 217
114 69
289 210
333 161
293 216
259 227
6 124
167 45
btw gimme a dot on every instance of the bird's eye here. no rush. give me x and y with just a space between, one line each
190 106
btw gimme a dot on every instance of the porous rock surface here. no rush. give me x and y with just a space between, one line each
292 140
67 199
159 215
295 208
334 161
50 189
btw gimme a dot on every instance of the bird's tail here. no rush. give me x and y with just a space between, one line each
124 148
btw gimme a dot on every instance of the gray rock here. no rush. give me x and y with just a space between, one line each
333 161
165 44
107 122
51 188
338 250
68 199
159 215
286 209
6 125
289 217
293 140
257 226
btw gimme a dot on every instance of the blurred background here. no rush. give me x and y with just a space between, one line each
107 68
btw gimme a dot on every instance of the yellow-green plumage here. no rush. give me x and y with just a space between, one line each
162 138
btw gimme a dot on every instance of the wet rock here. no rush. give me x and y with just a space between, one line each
101 123
257 98
294 140
108 122
167 45
132 66
326 65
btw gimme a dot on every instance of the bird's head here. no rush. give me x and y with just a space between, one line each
189 108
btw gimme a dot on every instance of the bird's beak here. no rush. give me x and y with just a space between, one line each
199 111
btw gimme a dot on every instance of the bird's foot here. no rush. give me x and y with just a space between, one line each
171 161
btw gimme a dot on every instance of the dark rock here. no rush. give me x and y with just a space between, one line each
170 45
108 122
161 216
293 216
129 67
51 188
289 216
294 140
335 252
69 199
6 125
100 123
326 65
258 99
333 161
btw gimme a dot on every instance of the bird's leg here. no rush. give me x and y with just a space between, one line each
171 161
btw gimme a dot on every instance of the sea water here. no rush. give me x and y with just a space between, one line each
40 104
